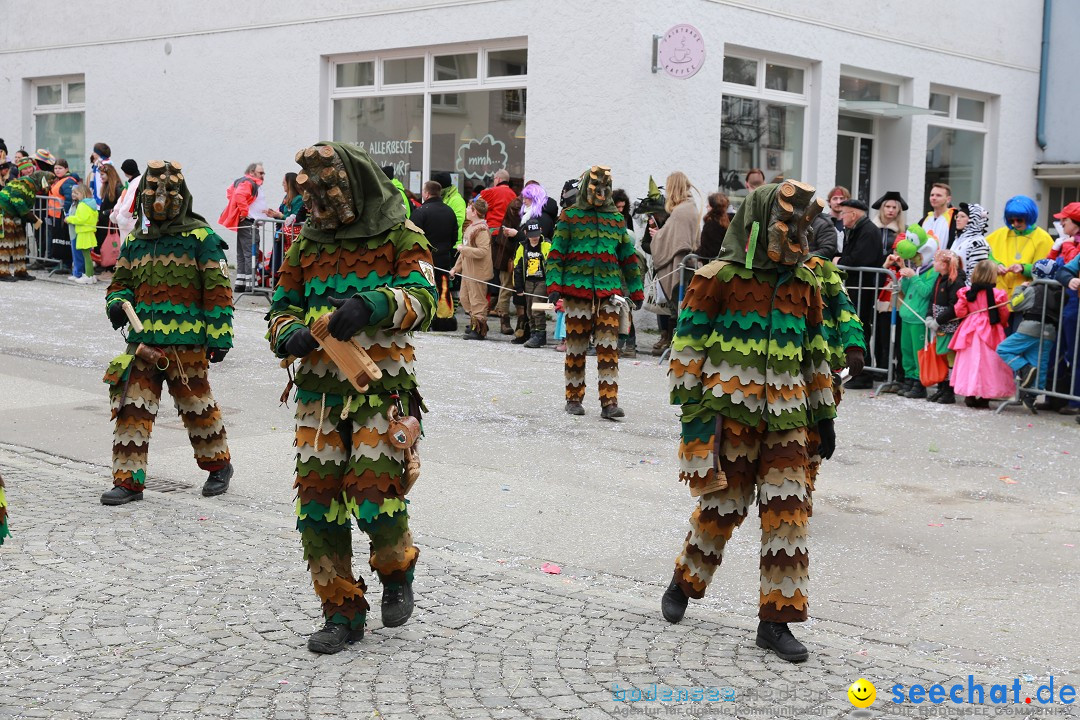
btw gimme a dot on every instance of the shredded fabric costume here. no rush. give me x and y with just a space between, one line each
176 278
590 259
345 469
17 207
750 366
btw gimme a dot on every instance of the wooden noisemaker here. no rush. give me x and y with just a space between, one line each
350 358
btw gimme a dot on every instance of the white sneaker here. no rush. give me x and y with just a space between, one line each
86 280
72 278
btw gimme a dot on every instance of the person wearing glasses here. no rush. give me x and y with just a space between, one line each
1017 246
237 217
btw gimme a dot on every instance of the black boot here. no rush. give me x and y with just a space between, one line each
917 392
862 381
673 603
397 603
218 481
610 412
776 637
948 397
938 392
521 334
333 638
120 496
537 340
574 408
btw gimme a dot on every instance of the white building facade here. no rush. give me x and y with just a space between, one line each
874 96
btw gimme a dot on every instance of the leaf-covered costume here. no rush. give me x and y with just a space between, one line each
17 207
590 260
750 368
175 276
345 468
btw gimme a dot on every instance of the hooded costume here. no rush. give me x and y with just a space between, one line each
590 259
346 469
971 244
750 368
17 208
172 270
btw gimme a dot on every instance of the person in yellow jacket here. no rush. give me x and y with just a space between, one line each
83 215
1017 246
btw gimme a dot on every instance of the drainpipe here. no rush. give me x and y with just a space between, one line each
1040 122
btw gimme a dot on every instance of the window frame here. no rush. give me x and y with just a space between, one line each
758 92
64 107
429 87
952 122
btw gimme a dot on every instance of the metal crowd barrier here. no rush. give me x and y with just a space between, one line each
1062 379
39 242
864 284
267 251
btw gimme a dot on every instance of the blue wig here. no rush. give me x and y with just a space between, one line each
1022 206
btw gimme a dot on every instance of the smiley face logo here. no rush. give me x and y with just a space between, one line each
862 693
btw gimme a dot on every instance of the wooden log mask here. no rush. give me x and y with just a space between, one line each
794 208
325 187
598 186
161 199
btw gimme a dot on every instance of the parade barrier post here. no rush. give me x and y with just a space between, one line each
864 285
266 236
39 242
1061 376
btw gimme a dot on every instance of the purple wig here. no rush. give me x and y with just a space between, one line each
537 197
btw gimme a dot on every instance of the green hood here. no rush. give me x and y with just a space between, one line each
187 221
755 208
582 202
378 202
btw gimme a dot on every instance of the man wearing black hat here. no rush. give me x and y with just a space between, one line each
440 226
862 248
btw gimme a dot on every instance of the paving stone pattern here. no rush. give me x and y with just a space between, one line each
186 607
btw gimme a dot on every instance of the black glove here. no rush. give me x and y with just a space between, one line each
855 360
638 304
301 343
349 318
553 297
828 439
216 355
117 316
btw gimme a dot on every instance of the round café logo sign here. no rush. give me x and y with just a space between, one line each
681 51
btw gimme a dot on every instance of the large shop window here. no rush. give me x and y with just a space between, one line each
762 122
452 109
956 144
59 120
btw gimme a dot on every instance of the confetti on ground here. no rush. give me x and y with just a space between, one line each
203 518
935 524
282 682
551 568
1007 480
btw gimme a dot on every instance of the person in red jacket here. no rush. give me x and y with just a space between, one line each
235 216
502 248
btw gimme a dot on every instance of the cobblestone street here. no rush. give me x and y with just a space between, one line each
184 607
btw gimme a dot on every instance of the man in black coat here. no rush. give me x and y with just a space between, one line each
439 224
862 248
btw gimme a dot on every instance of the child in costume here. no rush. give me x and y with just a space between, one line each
942 322
914 257
1028 350
474 263
172 270
591 259
529 280
17 208
750 368
979 374
361 261
83 216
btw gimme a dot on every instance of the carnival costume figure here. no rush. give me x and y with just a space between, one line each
17 200
750 368
591 258
172 276
362 263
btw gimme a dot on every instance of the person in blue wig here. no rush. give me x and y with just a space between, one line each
1017 246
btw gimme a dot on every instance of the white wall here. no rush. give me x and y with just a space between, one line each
242 85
